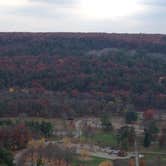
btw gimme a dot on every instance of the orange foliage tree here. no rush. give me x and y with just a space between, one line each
131 162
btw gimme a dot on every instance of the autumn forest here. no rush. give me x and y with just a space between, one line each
74 74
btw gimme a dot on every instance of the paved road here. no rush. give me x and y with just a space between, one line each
78 132
95 153
100 153
111 157
18 156
78 148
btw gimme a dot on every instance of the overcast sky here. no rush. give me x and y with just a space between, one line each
125 16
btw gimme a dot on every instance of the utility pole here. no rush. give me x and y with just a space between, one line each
136 154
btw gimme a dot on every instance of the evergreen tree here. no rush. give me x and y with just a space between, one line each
147 139
6 157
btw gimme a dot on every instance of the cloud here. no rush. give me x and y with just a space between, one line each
58 2
53 1
66 15
13 3
154 2
37 9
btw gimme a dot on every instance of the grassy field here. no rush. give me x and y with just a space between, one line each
150 160
94 161
101 138
152 148
156 160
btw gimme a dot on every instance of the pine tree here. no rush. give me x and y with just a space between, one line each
147 139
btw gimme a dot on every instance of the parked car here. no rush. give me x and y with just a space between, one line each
122 153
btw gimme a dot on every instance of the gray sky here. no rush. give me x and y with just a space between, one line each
126 16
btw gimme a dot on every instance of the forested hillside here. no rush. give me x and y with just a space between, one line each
61 74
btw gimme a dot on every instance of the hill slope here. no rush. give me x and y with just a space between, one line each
55 74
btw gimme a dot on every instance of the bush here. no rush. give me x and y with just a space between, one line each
131 116
6 157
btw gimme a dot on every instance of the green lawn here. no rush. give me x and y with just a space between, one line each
150 160
91 162
102 138
155 160
105 138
